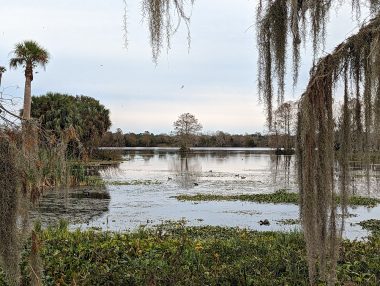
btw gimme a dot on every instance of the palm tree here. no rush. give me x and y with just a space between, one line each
2 70
29 55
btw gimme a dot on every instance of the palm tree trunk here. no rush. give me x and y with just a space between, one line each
1 76
27 97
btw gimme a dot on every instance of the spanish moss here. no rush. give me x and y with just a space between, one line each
31 160
164 18
279 19
316 142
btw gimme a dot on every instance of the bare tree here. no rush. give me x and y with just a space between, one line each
284 124
186 127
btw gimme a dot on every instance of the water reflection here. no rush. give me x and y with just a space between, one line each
364 178
156 176
187 169
282 167
74 205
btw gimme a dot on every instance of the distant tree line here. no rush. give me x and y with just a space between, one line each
148 139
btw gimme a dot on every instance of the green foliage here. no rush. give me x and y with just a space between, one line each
372 225
363 201
278 197
79 176
173 254
58 112
29 54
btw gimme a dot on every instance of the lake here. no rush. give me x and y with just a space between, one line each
143 186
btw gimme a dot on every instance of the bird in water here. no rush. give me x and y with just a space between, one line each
264 222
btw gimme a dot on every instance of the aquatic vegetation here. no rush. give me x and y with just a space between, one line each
244 212
90 194
173 254
133 183
361 201
278 197
289 221
372 225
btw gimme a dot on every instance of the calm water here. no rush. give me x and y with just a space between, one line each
156 175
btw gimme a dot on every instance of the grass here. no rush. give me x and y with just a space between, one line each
278 197
174 254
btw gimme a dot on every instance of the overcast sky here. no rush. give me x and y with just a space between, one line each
85 40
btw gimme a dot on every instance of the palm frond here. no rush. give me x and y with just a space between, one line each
14 63
29 52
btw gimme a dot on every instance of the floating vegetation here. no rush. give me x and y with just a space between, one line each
289 221
372 225
244 212
90 194
279 197
133 183
173 254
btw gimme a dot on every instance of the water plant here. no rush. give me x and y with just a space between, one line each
174 254
133 183
278 197
372 225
